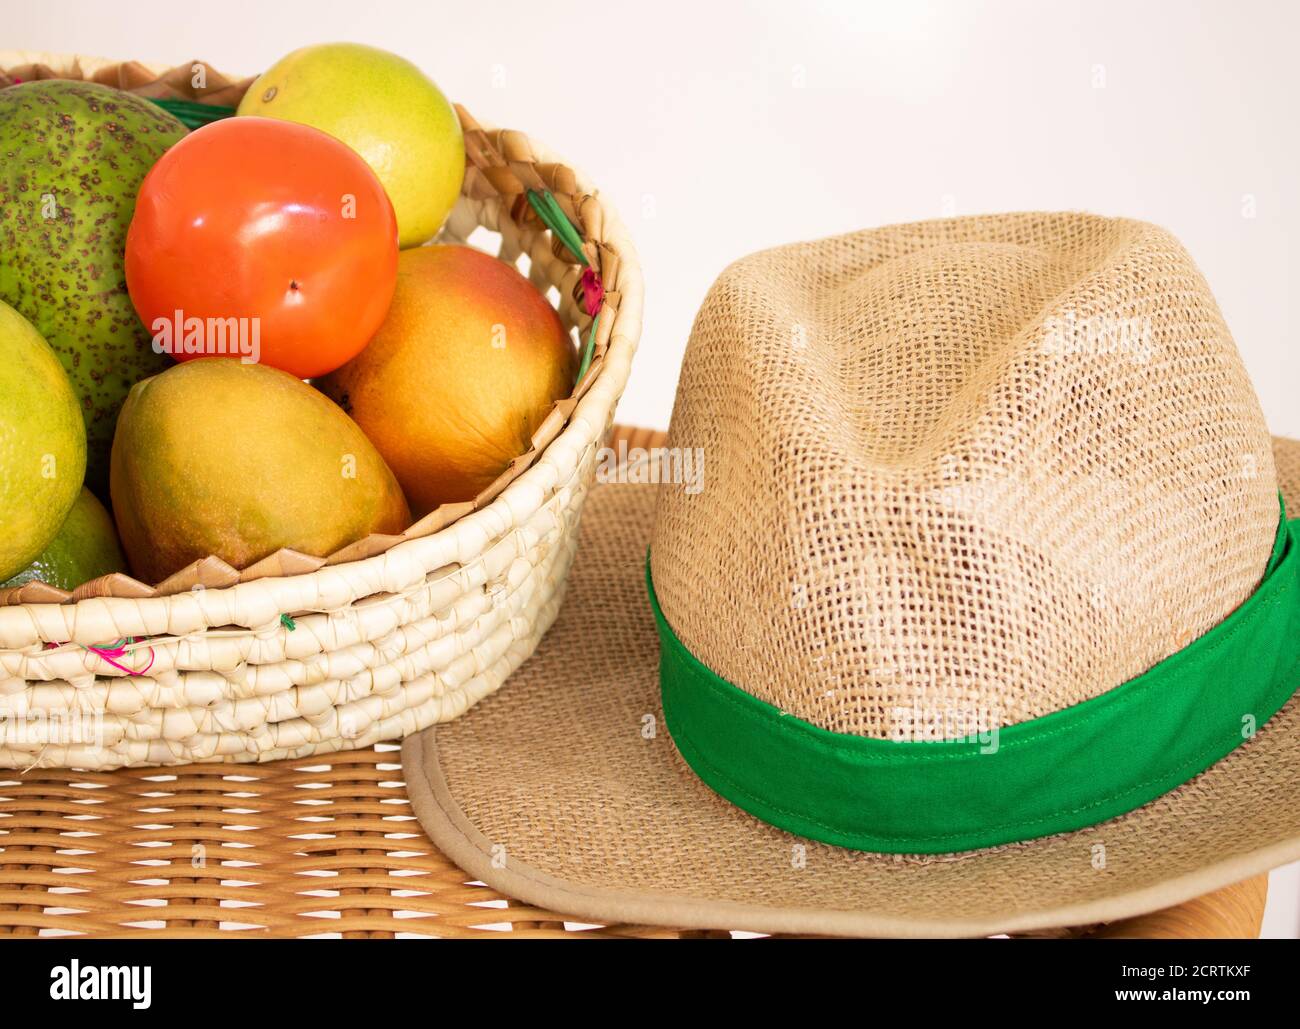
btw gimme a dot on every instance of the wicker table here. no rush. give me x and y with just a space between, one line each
321 846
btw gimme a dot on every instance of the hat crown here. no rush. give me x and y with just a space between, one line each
961 473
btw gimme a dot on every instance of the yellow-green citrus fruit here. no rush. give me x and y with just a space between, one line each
84 548
385 109
42 443
238 460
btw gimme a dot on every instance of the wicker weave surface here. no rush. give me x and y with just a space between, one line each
283 849
320 846
302 849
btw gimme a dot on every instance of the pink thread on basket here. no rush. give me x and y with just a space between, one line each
593 291
109 653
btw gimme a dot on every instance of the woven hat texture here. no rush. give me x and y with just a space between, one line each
564 789
961 473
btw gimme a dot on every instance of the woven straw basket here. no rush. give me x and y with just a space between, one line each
297 655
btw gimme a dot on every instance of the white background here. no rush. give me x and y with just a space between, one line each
720 128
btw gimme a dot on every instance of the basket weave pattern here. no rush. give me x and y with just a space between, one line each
378 641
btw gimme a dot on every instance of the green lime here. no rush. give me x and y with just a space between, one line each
42 443
85 548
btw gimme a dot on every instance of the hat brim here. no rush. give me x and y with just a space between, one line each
565 790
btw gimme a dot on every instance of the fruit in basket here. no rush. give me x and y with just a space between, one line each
74 154
385 109
468 362
42 443
238 460
84 548
264 241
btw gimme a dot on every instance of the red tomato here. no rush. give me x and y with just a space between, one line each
273 224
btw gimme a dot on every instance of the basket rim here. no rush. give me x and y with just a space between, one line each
585 425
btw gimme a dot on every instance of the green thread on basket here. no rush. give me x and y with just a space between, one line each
588 350
192 114
554 218
288 622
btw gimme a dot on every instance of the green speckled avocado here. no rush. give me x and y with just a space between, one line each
72 156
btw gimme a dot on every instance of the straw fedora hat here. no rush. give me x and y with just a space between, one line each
971 606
